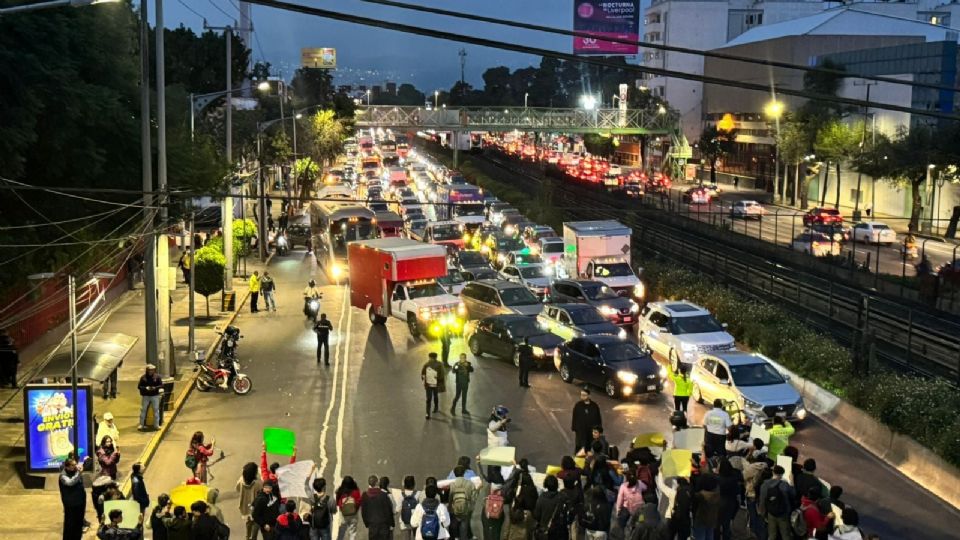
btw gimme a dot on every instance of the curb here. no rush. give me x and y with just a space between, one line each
151 447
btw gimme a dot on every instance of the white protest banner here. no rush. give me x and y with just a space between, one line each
689 439
130 509
757 431
497 455
787 463
293 478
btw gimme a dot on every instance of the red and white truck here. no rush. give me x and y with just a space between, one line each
398 277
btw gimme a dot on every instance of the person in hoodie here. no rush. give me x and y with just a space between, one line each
266 510
289 523
177 525
204 526
269 474
850 530
646 520
816 518
212 495
731 486
138 490
549 513
156 517
74 499
348 504
573 495
248 486
376 510
595 518
706 508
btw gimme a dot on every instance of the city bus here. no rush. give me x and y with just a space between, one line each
333 225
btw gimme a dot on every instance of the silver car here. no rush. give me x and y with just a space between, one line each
488 297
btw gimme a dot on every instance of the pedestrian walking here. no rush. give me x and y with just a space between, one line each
463 497
493 515
682 387
9 360
254 291
249 486
497 426
108 428
430 374
376 510
186 265
151 390
717 422
268 288
138 489
525 362
736 182
586 416
265 511
430 519
550 513
113 531
323 327
348 504
73 496
161 510
135 270
461 372
776 501
284 221
109 385
409 499
289 523
322 509
198 454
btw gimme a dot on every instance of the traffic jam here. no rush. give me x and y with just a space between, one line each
415 241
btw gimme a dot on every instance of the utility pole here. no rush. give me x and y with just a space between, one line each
262 200
463 62
165 354
227 211
191 333
863 143
72 309
146 167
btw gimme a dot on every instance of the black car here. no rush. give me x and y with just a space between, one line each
620 367
477 273
501 334
467 259
618 309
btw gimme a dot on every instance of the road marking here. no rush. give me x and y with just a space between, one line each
333 389
343 393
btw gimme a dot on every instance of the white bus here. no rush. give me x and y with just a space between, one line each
333 225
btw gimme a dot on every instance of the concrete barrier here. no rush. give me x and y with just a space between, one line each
899 451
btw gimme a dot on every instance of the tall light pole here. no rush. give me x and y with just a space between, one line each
146 165
863 143
164 352
774 109
525 96
368 97
227 210
436 97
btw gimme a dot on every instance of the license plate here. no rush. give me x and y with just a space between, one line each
628 319
782 414
652 387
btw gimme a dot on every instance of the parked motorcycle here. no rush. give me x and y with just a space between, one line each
230 338
222 378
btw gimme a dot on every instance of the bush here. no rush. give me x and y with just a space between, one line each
208 267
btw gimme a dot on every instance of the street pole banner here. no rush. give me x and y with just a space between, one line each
49 415
619 19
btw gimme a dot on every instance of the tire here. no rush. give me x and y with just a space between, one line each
697 395
610 389
674 359
201 385
565 374
374 317
475 347
241 385
516 358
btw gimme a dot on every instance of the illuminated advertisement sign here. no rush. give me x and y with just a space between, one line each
319 58
619 19
49 414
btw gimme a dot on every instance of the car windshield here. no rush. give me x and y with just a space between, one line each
612 270
528 258
471 258
468 210
598 291
524 327
620 351
531 272
446 232
761 374
453 277
699 324
484 273
509 244
518 296
424 291
586 316
552 247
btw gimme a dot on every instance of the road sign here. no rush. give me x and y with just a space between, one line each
322 58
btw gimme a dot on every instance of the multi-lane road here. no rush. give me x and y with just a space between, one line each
364 414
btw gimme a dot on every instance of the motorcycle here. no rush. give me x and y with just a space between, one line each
222 378
282 248
311 307
228 344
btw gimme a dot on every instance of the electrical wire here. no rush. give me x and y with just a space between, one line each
191 10
231 17
65 194
53 223
649 45
483 42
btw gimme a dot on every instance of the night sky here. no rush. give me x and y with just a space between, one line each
429 63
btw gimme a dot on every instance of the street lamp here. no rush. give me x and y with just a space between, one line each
525 96
589 102
368 98
774 109
264 86
436 96
661 110
54 4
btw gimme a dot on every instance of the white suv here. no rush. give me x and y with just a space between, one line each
682 331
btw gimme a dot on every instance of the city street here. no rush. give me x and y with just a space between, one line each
365 413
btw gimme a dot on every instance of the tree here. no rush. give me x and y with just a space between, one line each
208 266
598 144
794 147
197 61
312 86
326 135
260 71
276 149
305 170
715 143
836 142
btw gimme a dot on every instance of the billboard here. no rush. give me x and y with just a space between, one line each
49 414
322 58
619 19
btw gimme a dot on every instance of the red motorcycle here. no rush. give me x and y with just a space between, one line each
222 378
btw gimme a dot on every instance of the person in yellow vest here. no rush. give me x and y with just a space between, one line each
682 388
254 291
780 434
186 264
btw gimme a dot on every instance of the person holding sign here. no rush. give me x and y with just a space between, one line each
113 530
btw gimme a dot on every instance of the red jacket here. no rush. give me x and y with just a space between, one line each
355 494
811 514
265 473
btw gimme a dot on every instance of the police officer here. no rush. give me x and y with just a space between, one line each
526 361
461 371
323 327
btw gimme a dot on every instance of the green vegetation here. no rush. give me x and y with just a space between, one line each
208 267
920 407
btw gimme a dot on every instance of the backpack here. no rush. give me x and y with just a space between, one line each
430 524
407 507
798 523
190 460
459 504
776 503
493 505
320 513
349 506
223 532
543 533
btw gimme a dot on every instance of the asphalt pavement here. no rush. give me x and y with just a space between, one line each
365 413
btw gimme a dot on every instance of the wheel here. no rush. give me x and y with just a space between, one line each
413 326
475 347
516 359
610 388
241 385
565 374
697 394
374 317
201 385
674 360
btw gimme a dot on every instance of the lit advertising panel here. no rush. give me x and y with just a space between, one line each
49 414
619 19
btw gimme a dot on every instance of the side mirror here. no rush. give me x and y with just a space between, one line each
725 382
723 325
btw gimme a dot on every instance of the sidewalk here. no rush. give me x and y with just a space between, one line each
37 513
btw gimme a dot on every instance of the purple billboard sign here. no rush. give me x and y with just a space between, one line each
619 19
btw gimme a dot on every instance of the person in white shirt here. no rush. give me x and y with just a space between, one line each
497 426
430 518
108 428
716 422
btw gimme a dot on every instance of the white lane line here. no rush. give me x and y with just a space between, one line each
333 389
343 391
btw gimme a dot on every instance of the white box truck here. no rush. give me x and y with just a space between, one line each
600 250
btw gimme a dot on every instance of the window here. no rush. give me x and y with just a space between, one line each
722 372
485 326
709 365
659 320
564 318
590 350
644 311
510 271
398 294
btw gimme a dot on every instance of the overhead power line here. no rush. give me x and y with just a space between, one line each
658 46
483 42
64 192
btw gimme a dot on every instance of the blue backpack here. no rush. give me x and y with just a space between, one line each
430 524
407 507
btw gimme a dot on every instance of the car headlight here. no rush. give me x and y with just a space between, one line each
663 372
538 351
800 411
608 311
634 307
639 290
425 313
462 309
750 404
314 304
622 334
627 377
336 270
688 347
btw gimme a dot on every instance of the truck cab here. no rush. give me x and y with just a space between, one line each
445 233
420 304
616 274
600 250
